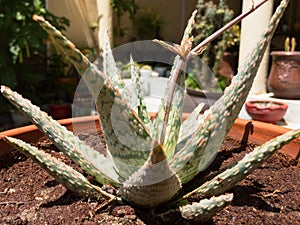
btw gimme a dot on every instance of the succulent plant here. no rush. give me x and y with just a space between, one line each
150 161
211 17
290 44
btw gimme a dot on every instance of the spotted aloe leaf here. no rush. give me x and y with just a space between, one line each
84 156
206 208
168 120
124 131
146 175
153 183
63 173
139 103
109 66
195 152
167 123
238 171
191 124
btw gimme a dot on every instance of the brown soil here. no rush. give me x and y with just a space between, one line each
28 195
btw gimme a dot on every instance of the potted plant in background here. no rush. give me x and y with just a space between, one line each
120 7
64 82
207 82
23 60
284 77
147 24
266 110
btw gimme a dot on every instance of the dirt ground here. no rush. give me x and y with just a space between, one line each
28 195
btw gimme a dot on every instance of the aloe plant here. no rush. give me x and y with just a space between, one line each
150 161
290 44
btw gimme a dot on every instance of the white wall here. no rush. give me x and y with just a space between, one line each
175 13
79 31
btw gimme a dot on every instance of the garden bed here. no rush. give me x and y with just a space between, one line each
28 195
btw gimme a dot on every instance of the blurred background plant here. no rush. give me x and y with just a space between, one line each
147 24
210 17
121 7
23 56
290 44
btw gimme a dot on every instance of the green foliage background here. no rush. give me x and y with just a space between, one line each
22 40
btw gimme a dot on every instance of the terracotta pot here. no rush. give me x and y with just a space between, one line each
284 77
262 132
266 111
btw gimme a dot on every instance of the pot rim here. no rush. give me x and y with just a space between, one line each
284 53
262 132
277 105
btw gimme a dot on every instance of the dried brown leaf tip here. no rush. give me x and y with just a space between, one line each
38 18
182 50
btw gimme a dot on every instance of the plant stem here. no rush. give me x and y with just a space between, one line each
174 82
194 51
226 27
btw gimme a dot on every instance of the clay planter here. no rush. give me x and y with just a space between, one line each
266 111
284 77
262 132
30 195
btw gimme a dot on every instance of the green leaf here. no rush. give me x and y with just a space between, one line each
87 158
191 124
166 127
206 208
128 140
20 16
139 105
241 169
37 4
110 68
62 173
170 136
15 50
195 155
153 183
